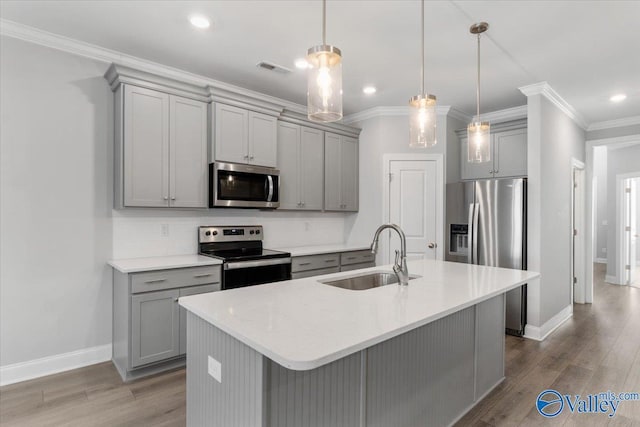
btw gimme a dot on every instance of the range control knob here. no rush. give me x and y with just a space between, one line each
208 233
215 233
251 232
257 231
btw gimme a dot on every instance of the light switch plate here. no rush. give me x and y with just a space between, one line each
215 369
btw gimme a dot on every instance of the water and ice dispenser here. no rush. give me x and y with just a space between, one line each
459 239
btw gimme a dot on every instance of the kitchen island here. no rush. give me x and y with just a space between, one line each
304 353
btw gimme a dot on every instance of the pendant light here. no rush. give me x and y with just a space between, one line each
324 79
422 115
479 145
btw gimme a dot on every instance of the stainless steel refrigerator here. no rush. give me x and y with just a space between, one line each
487 225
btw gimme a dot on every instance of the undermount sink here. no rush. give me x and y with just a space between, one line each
366 281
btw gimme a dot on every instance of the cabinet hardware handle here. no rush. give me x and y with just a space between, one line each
173 198
166 198
246 157
351 257
329 260
305 263
496 171
156 281
202 275
175 300
250 157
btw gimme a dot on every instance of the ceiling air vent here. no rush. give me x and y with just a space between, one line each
270 66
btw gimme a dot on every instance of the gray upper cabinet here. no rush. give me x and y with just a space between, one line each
301 164
508 153
145 147
188 153
161 149
341 173
242 136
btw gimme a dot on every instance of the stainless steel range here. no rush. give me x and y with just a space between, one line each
245 261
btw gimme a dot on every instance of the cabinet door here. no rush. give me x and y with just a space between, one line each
263 139
231 138
289 165
312 168
154 327
470 170
510 153
195 290
188 153
349 167
332 172
146 147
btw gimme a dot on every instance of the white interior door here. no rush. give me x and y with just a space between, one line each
413 205
577 291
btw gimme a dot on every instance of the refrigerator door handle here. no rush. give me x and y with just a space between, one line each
470 233
474 237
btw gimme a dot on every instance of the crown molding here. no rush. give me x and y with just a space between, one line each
548 92
300 118
617 123
394 111
505 115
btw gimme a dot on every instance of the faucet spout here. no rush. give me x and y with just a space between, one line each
400 266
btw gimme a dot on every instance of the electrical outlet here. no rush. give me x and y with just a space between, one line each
215 369
164 230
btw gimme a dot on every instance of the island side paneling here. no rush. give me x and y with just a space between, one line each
428 376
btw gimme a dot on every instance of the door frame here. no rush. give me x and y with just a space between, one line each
621 260
590 217
578 264
386 160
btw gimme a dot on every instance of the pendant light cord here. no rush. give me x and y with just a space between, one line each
478 85
324 22
422 93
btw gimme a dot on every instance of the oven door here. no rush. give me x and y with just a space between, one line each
242 186
247 273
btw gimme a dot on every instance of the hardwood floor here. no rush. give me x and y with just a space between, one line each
597 350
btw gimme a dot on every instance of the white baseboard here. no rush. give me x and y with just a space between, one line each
542 332
612 279
600 260
28 370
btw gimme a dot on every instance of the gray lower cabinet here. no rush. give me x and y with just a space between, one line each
341 173
317 265
149 326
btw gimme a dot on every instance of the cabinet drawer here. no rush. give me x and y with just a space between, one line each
356 257
311 273
314 262
174 278
351 267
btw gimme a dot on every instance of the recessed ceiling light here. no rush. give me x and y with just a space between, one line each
369 90
617 98
199 21
302 64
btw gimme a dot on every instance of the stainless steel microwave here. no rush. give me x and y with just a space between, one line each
233 185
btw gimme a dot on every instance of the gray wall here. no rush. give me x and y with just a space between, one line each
553 140
55 207
619 161
614 132
601 215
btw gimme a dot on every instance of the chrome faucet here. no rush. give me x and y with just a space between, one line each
400 266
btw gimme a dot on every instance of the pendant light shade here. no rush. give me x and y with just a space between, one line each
422 114
324 79
478 132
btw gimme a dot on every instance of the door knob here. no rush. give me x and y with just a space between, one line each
433 245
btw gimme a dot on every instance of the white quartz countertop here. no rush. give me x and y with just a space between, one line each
303 324
324 249
135 265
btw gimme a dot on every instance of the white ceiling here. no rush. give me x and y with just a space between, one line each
586 50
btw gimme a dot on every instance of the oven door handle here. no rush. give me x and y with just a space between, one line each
258 263
270 181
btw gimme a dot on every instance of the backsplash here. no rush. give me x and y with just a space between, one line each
143 233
